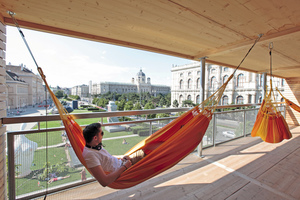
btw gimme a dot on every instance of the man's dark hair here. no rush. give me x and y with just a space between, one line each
90 131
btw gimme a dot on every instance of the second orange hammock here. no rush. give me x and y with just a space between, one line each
290 103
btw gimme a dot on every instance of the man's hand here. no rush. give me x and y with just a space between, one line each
125 158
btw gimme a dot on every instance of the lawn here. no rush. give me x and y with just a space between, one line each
58 155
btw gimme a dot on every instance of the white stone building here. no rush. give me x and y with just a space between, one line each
136 86
80 90
24 88
245 87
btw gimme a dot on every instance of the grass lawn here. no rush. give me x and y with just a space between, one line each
58 155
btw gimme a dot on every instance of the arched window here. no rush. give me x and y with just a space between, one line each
180 99
213 71
198 99
190 73
239 100
189 83
181 84
225 100
212 81
181 74
198 83
225 78
259 99
189 97
240 80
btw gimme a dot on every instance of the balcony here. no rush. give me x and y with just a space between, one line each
225 158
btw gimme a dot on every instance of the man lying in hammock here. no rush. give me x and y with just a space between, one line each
104 167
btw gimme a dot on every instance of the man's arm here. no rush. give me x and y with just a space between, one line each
106 179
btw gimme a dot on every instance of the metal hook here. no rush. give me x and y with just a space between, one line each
11 13
271 45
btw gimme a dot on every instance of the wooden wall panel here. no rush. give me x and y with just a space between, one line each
292 92
3 177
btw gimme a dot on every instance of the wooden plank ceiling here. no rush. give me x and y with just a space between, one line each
222 30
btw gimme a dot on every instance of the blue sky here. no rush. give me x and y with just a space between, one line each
68 62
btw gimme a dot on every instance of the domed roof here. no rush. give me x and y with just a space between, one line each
140 73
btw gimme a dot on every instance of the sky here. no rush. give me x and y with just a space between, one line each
68 62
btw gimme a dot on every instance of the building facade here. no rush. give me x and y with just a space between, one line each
245 87
137 85
24 88
80 90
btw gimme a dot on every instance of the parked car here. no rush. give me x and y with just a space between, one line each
229 134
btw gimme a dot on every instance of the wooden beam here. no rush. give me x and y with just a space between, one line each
60 31
281 69
242 44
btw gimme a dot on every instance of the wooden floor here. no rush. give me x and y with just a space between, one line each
246 168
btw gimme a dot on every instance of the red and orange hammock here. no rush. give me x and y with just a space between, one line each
270 125
165 148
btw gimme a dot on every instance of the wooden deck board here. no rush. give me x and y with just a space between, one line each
246 168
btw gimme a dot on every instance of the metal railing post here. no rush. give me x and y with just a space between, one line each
244 129
11 166
150 129
214 129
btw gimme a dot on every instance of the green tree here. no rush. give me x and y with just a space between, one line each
59 93
188 103
175 103
128 105
137 106
102 102
149 105
121 105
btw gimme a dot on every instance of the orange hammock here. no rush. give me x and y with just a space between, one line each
163 148
270 125
290 103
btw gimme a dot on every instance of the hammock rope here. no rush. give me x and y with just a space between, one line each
270 125
162 148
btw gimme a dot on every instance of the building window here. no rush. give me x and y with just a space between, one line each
198 83
225 100
259 99
225 78
181 84
181 74
212 81
213 71
189 83
198 72
240 100
180 99
189 97
240 80
282 82
190 73
225 69
198 99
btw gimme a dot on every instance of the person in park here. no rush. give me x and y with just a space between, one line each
103 166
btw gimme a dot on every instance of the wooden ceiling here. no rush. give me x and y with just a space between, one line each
221 30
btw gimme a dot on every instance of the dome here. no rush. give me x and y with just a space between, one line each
140 73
